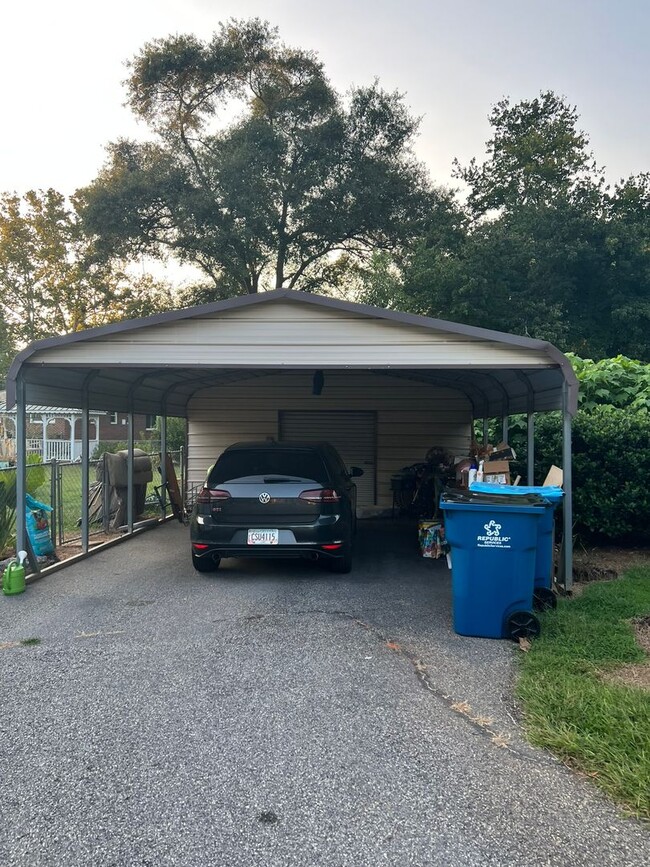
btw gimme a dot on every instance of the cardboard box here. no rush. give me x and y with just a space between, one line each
555 476
503 452
496 472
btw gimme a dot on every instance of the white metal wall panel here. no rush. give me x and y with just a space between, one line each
353 434
411 416
299 336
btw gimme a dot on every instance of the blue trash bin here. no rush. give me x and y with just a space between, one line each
493 541
553 495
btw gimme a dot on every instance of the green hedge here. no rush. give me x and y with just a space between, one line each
611 469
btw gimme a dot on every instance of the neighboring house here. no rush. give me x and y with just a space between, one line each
113 426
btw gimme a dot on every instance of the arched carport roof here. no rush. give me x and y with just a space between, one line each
157 363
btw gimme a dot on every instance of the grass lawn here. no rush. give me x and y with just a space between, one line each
598 727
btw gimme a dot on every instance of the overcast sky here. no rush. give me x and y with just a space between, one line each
62 67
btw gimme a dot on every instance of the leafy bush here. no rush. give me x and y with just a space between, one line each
611 469
611 448
111 446
175 432
620 382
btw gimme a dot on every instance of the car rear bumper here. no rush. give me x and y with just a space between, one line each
308 552
304 540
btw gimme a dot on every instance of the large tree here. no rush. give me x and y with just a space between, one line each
536 156
257 171
52 281
545 250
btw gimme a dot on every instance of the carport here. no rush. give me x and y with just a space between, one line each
288 364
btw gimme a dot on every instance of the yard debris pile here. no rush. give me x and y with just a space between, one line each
112 472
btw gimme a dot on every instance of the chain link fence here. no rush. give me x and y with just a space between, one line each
58 484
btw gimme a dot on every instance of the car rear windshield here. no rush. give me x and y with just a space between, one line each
299 463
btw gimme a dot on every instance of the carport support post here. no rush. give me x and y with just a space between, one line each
567 537
129 472
163 462
73 423
486 432
85 469
21 462
530 442
505 428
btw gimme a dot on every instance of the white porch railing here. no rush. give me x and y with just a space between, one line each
58 450
55 450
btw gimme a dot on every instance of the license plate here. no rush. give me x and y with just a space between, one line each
263 537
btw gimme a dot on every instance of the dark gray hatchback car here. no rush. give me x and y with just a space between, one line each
271 499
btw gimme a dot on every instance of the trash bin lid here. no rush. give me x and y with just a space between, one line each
480 498
552 493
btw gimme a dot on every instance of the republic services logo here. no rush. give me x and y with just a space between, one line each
493 537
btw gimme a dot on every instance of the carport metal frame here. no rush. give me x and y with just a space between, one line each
473 382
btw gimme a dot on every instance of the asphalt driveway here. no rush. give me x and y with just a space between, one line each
274 714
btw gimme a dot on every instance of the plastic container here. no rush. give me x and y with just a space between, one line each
493 541
553 495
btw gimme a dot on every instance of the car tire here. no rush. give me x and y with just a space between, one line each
341 565
205 564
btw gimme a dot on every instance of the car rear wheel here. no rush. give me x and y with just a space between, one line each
341 565
205 563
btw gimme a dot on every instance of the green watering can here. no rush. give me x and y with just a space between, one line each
13 579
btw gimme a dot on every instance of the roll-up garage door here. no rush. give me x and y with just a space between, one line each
353 434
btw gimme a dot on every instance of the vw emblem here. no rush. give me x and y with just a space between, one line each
265 498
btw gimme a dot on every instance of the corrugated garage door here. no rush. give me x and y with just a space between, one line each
353 434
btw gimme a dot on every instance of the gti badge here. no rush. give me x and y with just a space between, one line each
264 498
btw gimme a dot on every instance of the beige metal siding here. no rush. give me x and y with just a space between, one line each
411 416
287 334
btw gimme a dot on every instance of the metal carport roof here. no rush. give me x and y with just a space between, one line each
500 373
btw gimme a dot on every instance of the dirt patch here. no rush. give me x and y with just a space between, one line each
635 674
606 564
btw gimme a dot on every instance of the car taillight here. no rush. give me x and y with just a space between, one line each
207 496
322 495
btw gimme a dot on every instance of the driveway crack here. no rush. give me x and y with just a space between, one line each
481 724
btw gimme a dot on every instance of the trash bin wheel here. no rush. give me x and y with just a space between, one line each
544 599
522 624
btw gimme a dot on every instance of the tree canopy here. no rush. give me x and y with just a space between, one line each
52 280
257 171
540 247
536 156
